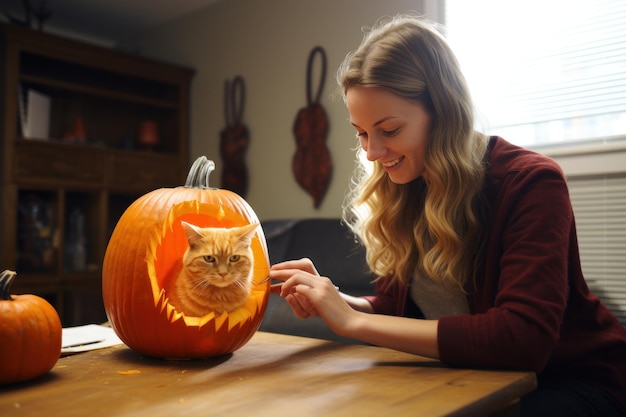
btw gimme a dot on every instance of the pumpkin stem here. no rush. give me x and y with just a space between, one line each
199 173
6 280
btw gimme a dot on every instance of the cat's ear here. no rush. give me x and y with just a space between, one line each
192 232
248 231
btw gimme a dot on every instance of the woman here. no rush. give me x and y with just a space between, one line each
472 239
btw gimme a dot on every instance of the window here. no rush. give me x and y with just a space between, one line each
600 207
544 72
551 74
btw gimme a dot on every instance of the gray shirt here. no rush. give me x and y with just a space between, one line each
436 300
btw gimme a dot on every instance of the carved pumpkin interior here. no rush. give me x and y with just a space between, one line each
164 260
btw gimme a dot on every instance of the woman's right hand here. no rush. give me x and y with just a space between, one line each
312 295
286 270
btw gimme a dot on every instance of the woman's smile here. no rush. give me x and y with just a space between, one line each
392 164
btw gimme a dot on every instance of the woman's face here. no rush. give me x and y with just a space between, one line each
393 131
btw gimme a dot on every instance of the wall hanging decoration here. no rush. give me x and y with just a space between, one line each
145 253
234 139
311 164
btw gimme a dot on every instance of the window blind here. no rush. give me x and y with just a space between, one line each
544 71
600 208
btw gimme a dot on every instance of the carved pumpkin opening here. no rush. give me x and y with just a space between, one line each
166 249
145 252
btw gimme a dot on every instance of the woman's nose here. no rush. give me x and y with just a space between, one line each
374 149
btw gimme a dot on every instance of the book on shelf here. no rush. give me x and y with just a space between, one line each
34 108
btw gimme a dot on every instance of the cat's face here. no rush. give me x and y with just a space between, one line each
218 256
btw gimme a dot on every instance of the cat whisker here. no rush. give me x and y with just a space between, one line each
201 284
240 283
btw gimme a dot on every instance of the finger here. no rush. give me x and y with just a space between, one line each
300 304
278 287
306 304
283 274
303 264
292 264
295 305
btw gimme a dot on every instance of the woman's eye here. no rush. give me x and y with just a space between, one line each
391 132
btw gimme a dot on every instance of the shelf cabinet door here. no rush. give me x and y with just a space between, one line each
147 173
44 162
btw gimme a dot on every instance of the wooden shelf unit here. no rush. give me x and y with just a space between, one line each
54 186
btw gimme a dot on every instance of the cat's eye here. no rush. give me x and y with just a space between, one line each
209 259
234 258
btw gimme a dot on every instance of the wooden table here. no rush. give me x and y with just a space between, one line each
272 375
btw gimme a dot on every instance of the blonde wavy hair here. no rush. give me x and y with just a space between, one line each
431 224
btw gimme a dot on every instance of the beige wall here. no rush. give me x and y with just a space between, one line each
268 43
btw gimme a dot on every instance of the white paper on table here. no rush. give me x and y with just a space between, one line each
88 337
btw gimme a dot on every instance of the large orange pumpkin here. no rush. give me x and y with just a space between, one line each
144 252
30 334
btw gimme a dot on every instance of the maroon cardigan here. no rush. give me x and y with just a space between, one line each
532 310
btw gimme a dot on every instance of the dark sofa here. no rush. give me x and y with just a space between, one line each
333 249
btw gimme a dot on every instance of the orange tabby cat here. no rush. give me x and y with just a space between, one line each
216 273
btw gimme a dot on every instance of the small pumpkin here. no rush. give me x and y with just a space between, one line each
30 334
145 251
